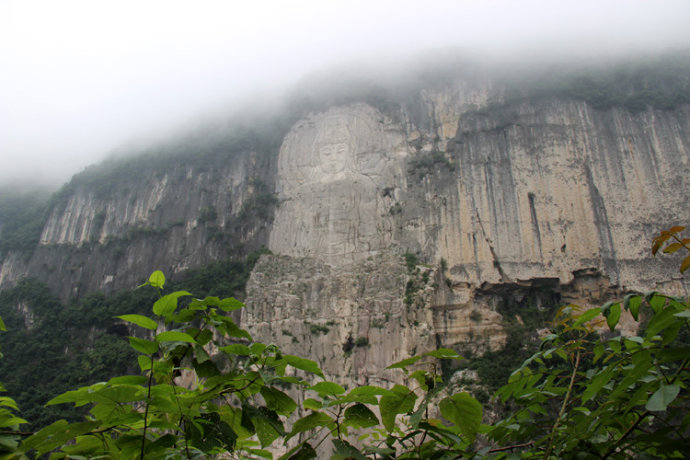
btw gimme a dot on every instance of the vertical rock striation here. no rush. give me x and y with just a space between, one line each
526 203
395 231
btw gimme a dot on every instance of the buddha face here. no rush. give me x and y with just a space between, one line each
333 157
333 149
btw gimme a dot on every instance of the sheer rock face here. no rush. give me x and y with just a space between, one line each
544 189
333 169
537 197
505 205
350 318
172 221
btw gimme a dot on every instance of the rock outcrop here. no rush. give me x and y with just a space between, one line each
396 231
546 196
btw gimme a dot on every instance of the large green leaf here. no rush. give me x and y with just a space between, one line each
55 435
664 396
328 388
366 394
304 364
140 320
144 362
303 451
166 305
311 421
444 353
632 303
117 394
370 390
79 397
613 315
660 321
8 402
157 279
361 416
278 401
236 349
655 300
209 431
233 330
230 304
128 380
10 421
400 402
683 314
597 383
174 336
404 363
144 346
346 451
587 316
464 411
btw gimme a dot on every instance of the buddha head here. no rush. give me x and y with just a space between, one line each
333 149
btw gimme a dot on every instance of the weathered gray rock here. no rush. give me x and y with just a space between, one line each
332 170
507 205
547 196
351 318
181 219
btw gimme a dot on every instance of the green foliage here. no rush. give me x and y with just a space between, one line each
520 318
317 329
621 397
259 205
22 218
208 214
362 342
236 404
660 82
577 397
411 261
417 279
425 163
48 350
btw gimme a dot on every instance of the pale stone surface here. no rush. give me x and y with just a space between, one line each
551 195
528 203
311 308
332 170
112 241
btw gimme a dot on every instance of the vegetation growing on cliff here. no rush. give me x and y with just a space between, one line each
51 347
659 82
22 217
575 397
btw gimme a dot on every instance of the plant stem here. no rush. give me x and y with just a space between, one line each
549 447
625 435
515 446
146 411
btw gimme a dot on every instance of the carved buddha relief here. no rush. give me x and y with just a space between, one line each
330 170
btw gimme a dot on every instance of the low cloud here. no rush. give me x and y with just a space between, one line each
80 77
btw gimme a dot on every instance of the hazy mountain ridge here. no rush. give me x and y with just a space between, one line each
510 194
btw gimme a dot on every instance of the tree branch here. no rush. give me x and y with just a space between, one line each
549 447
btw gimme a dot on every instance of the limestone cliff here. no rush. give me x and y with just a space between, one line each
536 195
170 215
400 227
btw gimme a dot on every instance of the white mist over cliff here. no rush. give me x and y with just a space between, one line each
80 78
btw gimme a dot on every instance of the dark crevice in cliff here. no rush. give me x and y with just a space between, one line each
535 222
603 226
496 262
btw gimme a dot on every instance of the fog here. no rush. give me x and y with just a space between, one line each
80 78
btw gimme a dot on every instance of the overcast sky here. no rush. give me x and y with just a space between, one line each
80 77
